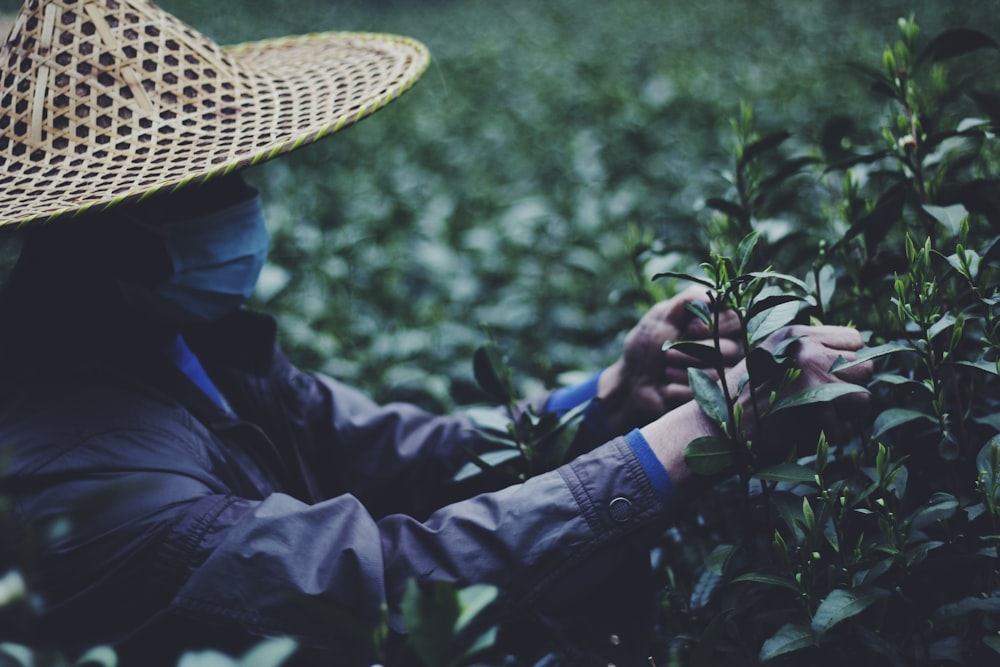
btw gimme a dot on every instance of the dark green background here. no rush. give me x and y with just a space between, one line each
509 187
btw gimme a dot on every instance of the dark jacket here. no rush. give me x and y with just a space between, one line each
304 511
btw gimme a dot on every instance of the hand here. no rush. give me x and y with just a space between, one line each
647 382
815 352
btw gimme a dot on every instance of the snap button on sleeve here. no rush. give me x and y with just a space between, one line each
621 509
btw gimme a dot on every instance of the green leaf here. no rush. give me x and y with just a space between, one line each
987 454
956 42
430 612
875 224
981 365
973 512
701 310
106 656
774 275
854 160
685 276
554 436
763 366
488 419
808 515
895 417
709 455
779 350
206 659
716 561
992 420
827 285
707 354
732 209
709 396
785 171
967 265
768 302
472 600
486 461
22 654
954 611
899 475
898 380
269 653
877 570
940 507
823 393
701 655
767 143
789 638
993 641
949 216
869 353
704 588
487 366
787 472
917 554
772 319
769 579
744 253
841 605
945 322
485 641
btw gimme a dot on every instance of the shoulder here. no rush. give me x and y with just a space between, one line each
91 419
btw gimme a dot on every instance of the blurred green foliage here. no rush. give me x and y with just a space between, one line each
514 185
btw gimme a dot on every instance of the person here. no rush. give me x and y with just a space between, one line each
196 488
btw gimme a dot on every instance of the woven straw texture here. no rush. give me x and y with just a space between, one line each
106 101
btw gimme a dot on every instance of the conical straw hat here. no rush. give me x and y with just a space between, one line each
107 101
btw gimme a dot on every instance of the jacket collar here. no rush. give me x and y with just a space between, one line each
244 340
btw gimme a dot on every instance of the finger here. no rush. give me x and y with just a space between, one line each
858 374
729 324
675 394
834 337
675 375
817 360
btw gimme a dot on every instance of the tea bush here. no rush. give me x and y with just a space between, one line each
877 543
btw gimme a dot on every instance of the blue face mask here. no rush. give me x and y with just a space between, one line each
216 259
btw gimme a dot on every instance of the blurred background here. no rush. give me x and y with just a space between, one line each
520 190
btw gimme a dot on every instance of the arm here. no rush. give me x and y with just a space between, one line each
178 559
415 455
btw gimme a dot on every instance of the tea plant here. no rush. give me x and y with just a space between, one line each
877 541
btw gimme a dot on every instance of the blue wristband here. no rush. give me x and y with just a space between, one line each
658 475
594 428
565 399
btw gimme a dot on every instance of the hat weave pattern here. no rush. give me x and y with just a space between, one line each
107 101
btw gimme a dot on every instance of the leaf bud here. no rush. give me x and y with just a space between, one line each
889 62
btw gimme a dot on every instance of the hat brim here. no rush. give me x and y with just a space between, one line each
292 91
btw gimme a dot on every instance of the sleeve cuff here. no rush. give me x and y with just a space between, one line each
658 476
594 429
565 399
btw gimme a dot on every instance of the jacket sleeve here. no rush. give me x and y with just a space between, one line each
395 457
280 566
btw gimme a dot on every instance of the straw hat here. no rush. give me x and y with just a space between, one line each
107 101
